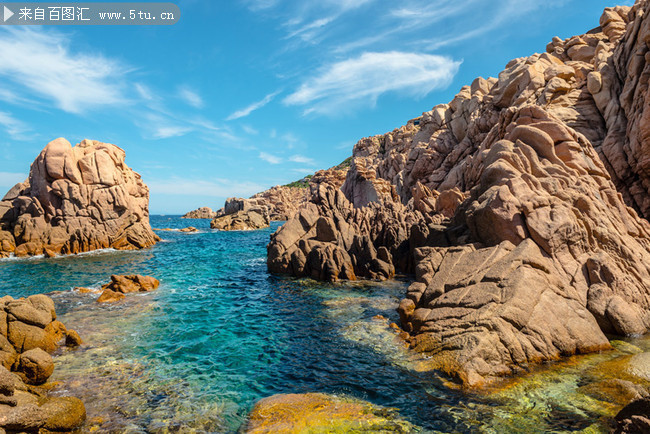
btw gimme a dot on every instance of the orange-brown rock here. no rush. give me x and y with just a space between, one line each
515 205
318 412
120 285
28 333
283 201
76 199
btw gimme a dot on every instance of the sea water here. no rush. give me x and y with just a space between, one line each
221 333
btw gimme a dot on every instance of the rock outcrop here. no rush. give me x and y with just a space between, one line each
201 213
76 199
515 205
242 215
284 201
29 331
116 289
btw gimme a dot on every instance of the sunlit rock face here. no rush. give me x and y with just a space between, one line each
519 206
76 199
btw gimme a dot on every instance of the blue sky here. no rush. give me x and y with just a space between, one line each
242 95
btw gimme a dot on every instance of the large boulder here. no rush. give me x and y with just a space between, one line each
516 206
76 199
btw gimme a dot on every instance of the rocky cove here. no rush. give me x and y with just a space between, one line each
484 267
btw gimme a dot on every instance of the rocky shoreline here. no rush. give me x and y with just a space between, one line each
29 332
520 207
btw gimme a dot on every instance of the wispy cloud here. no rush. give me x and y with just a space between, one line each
42 63
271 159
361 80
308 32
302 159
14 127
200 187
251 108
144 91
190 97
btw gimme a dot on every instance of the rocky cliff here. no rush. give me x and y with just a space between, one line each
284 201
76 199
519 206
242 215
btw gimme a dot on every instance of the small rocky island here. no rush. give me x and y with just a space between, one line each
76 199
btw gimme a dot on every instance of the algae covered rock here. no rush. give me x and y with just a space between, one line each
318 412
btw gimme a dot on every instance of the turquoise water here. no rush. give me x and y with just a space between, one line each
221 333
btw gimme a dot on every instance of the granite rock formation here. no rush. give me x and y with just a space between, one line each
29 331
120 285
201 213
284 201
516 206
76 199
242 215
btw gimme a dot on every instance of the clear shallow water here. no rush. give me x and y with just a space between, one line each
221 333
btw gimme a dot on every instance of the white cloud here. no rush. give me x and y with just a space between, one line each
271 159
190 97
308 32
42 63
14 127
302 159
201 187
251 108
144 91
361 80
250 130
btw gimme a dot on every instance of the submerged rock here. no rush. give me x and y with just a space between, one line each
318 412
120 285
634 417
515 205
76 199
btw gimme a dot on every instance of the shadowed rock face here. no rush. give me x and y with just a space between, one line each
76 199
515 205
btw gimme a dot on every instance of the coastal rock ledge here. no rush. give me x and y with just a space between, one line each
76 199
520 207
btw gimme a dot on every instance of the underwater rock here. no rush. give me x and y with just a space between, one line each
634 417
318 412
516 206
120 285
76 199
